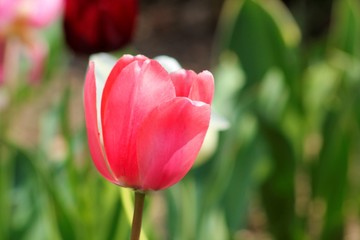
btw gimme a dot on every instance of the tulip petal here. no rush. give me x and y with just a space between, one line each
139 88
92 125
202 88
169 141
183 80
109 79
119 66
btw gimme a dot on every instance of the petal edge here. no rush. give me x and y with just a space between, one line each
169 141
92 125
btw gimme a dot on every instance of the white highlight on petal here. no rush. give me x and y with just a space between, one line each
218 121
197 103
170 64
103 64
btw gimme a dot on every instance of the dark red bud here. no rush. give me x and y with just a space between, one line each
93 26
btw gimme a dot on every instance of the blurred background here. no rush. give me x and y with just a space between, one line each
287 77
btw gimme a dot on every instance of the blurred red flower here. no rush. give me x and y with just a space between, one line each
93 26
145 126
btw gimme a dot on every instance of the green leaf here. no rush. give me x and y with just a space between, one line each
253 35
278 190
345 34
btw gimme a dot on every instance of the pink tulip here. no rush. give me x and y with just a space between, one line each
145 126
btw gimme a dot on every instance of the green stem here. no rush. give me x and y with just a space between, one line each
137 218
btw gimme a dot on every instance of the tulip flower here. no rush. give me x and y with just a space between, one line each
18 24
145 125
99 25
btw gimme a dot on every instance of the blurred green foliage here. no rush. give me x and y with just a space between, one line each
288 167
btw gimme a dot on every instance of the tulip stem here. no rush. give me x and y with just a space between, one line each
137 218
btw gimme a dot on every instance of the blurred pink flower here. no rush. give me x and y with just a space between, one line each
18 24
